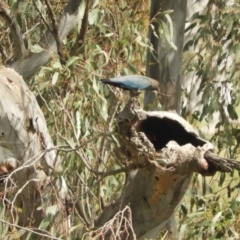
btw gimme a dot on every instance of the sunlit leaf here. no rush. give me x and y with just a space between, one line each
52 210
36 48
215 219
93 16
167 35
55 78
71 61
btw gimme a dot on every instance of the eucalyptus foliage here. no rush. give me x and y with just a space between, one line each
212 62
80 111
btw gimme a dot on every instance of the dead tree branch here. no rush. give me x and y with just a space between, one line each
167 151
76 49
55 32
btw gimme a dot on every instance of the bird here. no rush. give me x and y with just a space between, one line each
133 83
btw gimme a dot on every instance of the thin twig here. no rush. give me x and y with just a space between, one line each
42 17
109 124
16 32
55 33
75 51
37 231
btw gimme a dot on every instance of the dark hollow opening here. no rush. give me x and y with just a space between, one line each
162 130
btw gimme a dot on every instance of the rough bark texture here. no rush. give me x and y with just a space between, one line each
164 170
164 63
27 154
24 150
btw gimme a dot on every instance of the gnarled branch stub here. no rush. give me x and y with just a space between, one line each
167 151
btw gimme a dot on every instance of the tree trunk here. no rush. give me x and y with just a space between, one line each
164 63
28 155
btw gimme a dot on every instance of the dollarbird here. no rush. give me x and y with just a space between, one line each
133 82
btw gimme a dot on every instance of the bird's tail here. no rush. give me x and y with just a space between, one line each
109 82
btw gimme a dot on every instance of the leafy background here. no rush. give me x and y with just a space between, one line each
80 111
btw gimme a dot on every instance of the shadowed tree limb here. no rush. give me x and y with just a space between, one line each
221 164
17 38
55 32
76 49
28 66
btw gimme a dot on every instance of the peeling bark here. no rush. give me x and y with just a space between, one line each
163 174
27 154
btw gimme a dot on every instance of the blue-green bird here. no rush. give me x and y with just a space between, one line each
133 82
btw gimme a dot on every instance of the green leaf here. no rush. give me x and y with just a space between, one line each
229 26
95 85
45 222
194 16
184 209
71 60
165 32
109 35
57 65
139 40
43 85
55 78
52 210
93 16
36 48
232 113
75 227
215 219
222 179
170 25
190 27
78 124
81 12
182 231
167 11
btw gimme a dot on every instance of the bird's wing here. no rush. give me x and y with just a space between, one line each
114 83
133 82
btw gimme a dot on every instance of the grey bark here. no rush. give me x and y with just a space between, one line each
164 63
163 175
27 154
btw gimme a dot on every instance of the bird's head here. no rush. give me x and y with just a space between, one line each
158 89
